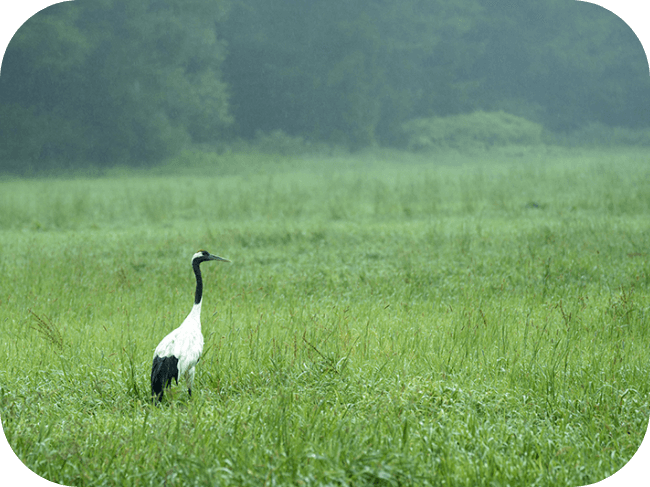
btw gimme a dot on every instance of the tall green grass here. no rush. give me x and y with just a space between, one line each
386 320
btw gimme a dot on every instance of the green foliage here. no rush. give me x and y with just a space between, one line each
137 82
53 41
596 134
17 124
385 320
576 60
277 142
346 72
114 81
471 131
353 72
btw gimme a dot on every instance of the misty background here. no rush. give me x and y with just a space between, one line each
134 82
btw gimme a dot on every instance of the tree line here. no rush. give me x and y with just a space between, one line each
133 81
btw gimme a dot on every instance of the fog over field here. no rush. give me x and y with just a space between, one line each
135 83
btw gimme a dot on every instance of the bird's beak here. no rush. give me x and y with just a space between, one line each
215 257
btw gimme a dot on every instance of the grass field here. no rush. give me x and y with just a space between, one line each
386 320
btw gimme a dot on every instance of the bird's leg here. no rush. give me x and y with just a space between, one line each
189 378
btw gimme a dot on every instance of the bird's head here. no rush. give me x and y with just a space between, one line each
203 255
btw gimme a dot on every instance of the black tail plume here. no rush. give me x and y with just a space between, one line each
163 370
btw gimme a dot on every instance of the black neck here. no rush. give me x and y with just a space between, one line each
198 295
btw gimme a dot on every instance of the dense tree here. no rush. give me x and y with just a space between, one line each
131 81
563 63
354 71
109 81
346 71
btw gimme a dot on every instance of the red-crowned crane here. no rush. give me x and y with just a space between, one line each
178 353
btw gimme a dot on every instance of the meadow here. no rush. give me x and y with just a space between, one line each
387 319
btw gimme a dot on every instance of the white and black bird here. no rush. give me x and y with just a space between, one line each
177 354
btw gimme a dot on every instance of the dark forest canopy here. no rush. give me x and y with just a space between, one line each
133 81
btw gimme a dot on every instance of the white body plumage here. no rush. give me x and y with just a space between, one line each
186 344
178 353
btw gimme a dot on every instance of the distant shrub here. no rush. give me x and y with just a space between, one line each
474 130
600 135
278 142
